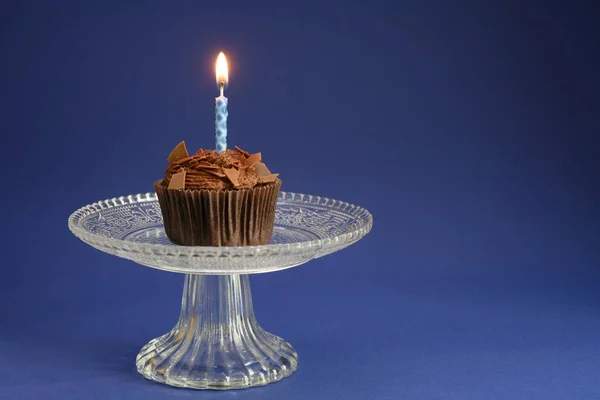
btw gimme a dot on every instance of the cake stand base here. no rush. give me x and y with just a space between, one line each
217 343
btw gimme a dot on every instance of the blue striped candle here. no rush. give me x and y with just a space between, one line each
221 104
221 123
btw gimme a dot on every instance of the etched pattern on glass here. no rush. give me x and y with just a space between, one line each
306 227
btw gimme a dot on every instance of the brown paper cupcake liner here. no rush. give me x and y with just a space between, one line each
219 217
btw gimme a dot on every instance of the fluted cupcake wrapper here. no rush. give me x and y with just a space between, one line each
219 217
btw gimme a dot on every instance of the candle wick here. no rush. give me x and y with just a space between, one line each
222 85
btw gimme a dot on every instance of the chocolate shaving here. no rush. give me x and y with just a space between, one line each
179 152
217 172
244 152
261 169
254 158
232 174
268 178
182 160
177 180
208 166
247 178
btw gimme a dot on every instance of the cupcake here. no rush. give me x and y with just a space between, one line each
217 199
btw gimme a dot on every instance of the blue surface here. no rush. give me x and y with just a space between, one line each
468 128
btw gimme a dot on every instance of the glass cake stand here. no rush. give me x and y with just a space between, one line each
217 342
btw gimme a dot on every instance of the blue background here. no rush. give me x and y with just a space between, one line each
468 128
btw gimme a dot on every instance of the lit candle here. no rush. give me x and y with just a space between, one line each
221 104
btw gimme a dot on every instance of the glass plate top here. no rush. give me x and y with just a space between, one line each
306 227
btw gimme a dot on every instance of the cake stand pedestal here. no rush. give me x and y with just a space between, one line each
217 342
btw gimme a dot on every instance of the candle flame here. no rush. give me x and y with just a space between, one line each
222 70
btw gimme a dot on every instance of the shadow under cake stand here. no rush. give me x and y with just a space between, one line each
217 342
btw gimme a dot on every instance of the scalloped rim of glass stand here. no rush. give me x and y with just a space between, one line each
362 215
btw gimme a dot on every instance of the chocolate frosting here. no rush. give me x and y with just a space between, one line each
208 170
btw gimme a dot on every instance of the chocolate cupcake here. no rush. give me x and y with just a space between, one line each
217 199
